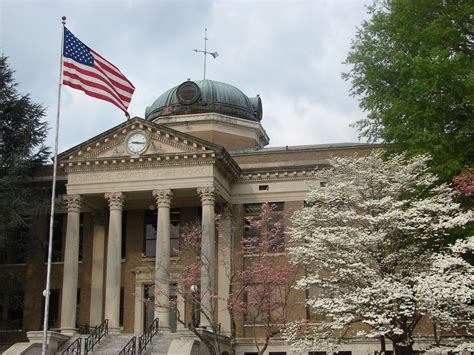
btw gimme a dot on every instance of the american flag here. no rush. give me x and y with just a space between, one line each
86 70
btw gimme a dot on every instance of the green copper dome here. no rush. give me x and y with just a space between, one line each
204 96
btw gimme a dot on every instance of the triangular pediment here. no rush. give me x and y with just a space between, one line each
160 140
113 149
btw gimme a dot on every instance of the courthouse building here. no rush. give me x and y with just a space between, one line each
122 197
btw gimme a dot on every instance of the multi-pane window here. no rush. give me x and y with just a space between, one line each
264 304
11 308
271 234
150 233
124 234
121 309
57 248
14 250
312 314
53 313
81 235
174 231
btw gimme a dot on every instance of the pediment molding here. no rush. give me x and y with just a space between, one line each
167 147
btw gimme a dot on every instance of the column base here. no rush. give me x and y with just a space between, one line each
114 331
68 331
164 329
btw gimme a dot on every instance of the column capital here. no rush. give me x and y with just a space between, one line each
163 197
225 209
115 199
207 195
74 203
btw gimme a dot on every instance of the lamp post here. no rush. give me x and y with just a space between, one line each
194 319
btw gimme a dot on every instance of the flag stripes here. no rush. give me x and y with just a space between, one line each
86 70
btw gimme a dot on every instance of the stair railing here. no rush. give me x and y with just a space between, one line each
74 348
84 328
150 332
130 348
96 335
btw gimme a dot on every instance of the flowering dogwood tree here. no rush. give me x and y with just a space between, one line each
259 286
371 238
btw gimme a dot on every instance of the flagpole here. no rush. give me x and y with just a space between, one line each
53 193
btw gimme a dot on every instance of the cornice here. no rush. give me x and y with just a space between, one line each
149 162
269 175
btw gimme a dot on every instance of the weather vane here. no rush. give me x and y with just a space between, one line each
214 54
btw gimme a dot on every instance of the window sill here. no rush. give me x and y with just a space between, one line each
13 264
152 258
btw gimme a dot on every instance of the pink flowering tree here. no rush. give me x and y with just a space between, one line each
263 285
465 183
259 284
372 241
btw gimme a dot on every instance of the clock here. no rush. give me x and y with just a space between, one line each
137 142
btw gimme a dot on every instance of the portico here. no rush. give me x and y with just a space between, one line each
180 170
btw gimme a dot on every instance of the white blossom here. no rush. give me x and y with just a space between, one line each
372 240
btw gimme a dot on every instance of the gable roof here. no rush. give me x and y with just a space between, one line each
167 147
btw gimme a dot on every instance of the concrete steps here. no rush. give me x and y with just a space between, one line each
160 343
111 345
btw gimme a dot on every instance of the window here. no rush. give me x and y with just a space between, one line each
14 250
317 353
149 247
121 310
81 235
124 234
311 313
53 314
277 353
57 249
264 304
11 308
150 233
272 235
78 305
175 214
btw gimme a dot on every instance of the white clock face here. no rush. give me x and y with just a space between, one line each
137 142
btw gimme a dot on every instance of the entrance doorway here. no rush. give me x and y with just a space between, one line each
149 310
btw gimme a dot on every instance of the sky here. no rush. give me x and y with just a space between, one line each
290 52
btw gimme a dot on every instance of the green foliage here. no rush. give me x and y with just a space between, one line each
22 149
412 67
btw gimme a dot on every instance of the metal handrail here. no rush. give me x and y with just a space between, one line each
130 348
73 348
85 328
150 332
98 333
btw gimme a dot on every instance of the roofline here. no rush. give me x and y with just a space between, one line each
302 148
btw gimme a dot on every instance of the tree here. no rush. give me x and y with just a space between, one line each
22 149
259 288
374 243
413 69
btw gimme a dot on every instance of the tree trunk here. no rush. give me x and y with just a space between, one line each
403 349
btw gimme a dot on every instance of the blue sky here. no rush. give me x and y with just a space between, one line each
288 52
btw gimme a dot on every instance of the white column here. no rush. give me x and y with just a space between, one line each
139 308
97 273
224 268
114 261
208 195
71 265
162 259
181 311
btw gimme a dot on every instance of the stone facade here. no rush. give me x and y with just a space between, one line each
109 199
